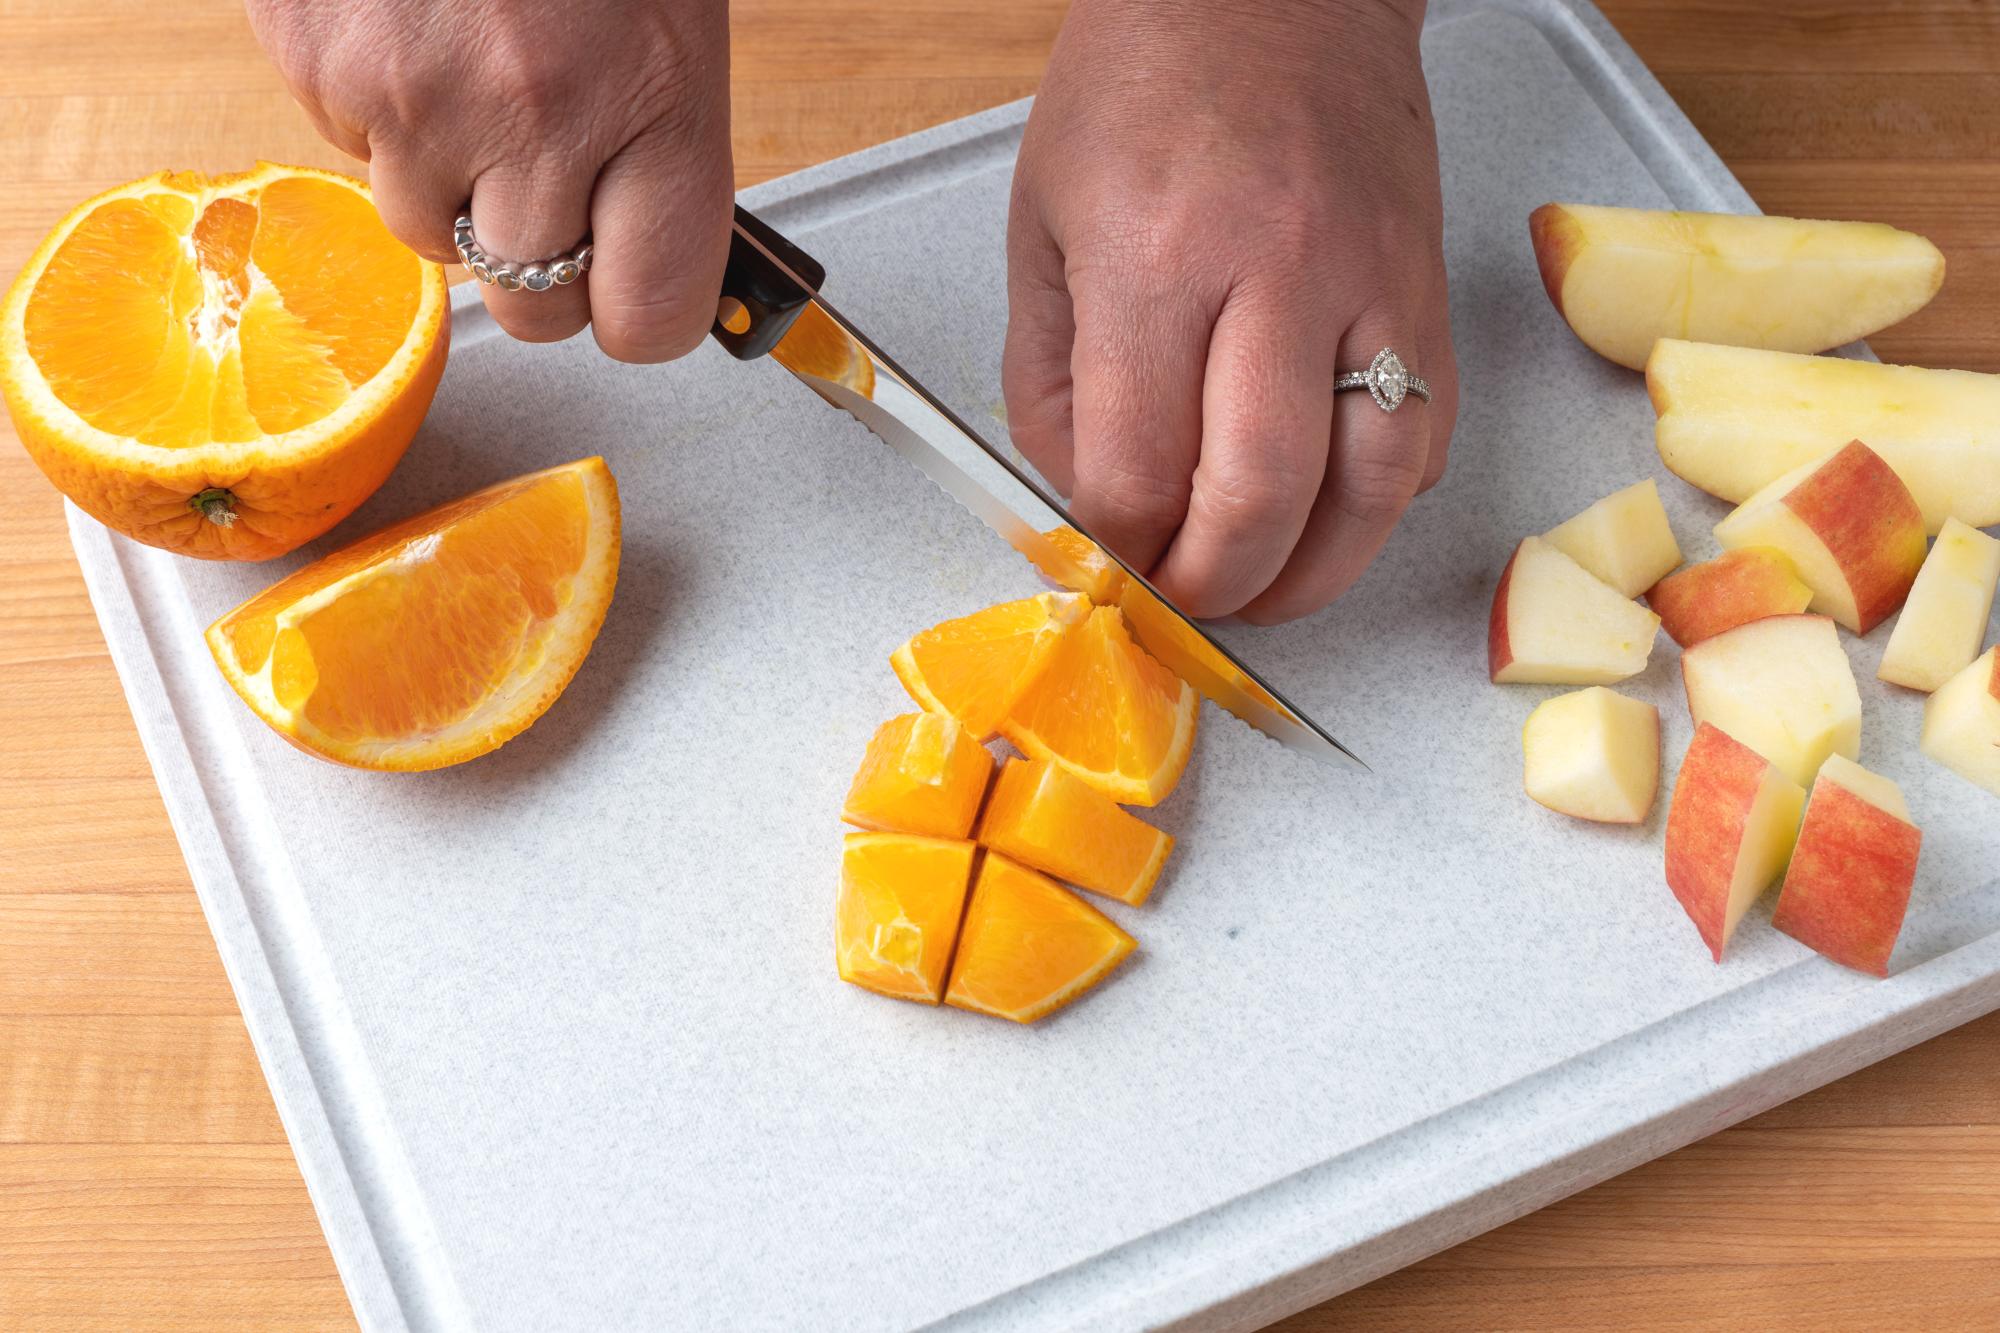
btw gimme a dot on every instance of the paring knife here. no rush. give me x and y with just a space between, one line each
771 305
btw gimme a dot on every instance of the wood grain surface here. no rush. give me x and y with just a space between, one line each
144 1179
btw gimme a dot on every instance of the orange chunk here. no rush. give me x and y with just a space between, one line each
1047 818
923 773
975 667
897 915
1109 713
1029 946
1081 565
439 638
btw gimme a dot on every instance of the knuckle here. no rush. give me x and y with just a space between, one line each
1240 501
655 324
1132 501
1376 487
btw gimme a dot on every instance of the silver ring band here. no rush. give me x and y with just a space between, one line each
510 275
1387 380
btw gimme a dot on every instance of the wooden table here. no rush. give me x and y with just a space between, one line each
144 1179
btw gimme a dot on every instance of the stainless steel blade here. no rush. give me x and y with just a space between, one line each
839 362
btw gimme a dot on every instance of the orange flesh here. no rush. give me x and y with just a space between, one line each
975 667
1029 946
1046 818
176 328
897 914
1109 713
457 598
923 773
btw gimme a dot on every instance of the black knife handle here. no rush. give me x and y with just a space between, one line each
767 281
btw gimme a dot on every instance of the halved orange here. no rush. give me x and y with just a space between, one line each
1081 565
1050 820
1109 713
223 366
923 773
975 667
897 914
437 639
1029 946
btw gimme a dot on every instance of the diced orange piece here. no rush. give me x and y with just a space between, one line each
1081 565
923 773
897 916
1109 713
1047 818
975 667
1029 946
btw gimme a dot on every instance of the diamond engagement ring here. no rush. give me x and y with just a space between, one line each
1387 380
555 271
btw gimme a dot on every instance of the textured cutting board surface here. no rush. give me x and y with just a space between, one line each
583 986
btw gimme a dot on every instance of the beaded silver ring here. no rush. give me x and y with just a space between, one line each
513 276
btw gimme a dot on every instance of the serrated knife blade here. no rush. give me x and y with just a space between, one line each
771 303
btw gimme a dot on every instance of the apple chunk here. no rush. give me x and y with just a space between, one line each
1734 589
1962 723
1624 277
1729 830
1781 686
1944 620
1733 420
1850 527
1594 754
1848 886
1553 624
1624 539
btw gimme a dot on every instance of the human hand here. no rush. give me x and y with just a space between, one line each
554 118
1212 214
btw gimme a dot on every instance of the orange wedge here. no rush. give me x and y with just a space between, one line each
1029 946
923 773
975 667
223 366
439 638
897 914
1080 564
1108 713
1047 818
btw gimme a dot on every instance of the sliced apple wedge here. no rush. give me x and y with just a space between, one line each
1553 624
1781 686
1732 420
1625 277
1734 589
1593 754
1944 619
1962 723
1850 527
1848 886
1729 830
1623 540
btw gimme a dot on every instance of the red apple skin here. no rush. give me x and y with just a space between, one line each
1859 507
1704 600
1556 239
1499 651
1712 801
1848 887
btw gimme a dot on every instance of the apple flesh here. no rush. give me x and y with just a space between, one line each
1593 754
1848 886
1962 723
1732 420
1729 830
1944 620
1734 589
1623 540
1781 686
1553 624
1625 277
1850 527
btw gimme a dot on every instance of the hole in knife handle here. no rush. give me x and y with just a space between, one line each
731 314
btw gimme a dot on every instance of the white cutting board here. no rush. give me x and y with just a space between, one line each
557 1034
